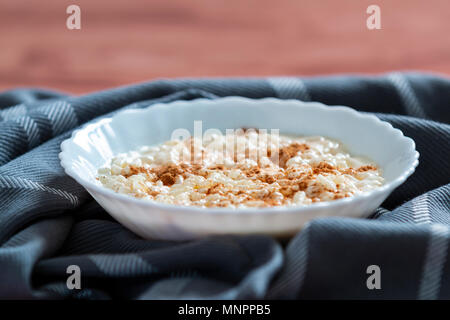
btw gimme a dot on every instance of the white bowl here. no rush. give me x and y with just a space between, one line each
364 135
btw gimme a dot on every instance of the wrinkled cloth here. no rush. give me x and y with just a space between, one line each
49 222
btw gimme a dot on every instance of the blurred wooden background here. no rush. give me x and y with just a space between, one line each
128 41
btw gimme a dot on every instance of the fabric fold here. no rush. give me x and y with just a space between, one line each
49 222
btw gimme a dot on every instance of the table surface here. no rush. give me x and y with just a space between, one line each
123 42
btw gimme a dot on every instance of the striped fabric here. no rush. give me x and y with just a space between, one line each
48 222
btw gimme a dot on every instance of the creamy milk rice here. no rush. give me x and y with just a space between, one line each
248 168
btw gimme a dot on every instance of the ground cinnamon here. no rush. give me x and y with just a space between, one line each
290 180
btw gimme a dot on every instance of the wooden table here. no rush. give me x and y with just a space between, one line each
129 41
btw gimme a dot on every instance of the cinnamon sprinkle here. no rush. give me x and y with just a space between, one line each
291 151
168 174
277 183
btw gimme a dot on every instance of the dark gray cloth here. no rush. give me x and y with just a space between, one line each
48 222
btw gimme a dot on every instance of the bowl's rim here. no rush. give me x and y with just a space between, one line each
91 186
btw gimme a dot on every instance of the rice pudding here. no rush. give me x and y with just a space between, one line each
248 168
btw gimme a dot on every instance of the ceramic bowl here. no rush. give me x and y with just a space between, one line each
92 147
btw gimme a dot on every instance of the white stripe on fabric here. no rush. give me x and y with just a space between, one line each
407 95
436 255
32 130
13 112
61 116
123 265
421 211
289 88
22 183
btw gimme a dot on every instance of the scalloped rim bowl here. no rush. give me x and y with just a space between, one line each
96 143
